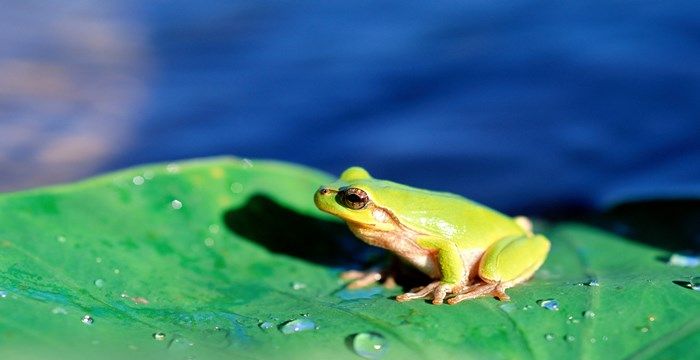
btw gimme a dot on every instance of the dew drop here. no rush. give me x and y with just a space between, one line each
593 340
148 175
643 329
571 320
588 314
297 325
369 345
3 294
98 259
508 307
265 325
99 283
527 307
549 336
605 338
172 168
236 188
297 285
61 239
592 282
208 242
159 336
695 283
179 343
569 338
176 204
59 311
651 318
116 271
684 260
138 180
549 304
247 163
214 228
88 320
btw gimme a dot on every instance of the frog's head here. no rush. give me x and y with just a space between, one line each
351 199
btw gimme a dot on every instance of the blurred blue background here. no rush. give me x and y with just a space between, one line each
531 107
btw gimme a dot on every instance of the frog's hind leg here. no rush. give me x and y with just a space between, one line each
508 262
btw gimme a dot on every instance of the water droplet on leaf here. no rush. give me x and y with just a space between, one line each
159 336
298 325
588 314
369 345
549 336
569 338
684 260
695 283
508 307
99 283
138 180
236 188
172 168
176 204
549 304
88 320
297 285
265 325
59 311
179 343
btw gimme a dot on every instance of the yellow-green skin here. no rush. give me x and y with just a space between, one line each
469 249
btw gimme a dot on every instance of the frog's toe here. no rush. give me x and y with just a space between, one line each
421 293
440 292
480 290
365 281
352 274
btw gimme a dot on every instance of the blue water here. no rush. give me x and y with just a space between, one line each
536 107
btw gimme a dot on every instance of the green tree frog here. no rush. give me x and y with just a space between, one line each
468 249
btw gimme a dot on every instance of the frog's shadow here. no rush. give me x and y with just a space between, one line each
284 231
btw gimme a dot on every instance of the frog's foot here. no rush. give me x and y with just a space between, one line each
436 290
479 290
360 279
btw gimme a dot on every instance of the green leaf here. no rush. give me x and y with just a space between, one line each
206 251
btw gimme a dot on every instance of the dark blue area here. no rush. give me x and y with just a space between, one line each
537 107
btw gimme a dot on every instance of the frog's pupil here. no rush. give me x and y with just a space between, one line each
354 198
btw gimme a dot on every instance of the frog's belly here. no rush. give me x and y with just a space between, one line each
425 262
470 259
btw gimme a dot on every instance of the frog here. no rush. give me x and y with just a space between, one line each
467 249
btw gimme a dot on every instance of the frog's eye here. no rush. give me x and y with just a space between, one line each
353 198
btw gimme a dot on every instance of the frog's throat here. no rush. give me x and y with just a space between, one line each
399 239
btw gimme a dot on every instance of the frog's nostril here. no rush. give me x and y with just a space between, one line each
323 191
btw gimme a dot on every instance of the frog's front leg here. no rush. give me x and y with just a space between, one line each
452 271
506 263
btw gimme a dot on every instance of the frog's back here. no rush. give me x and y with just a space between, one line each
466 222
